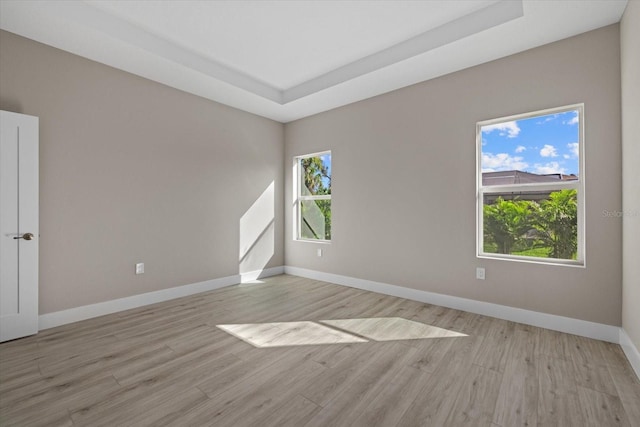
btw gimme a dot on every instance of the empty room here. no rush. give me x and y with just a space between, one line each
320 213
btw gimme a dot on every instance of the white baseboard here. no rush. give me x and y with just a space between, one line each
549 321
630 350
51 320
58 318
259 274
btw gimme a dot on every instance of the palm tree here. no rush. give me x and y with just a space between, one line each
505 222
556 222
316 176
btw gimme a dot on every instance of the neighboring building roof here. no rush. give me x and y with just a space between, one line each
520 177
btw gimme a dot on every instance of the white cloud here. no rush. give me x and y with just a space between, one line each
549 151
574 120
501 162
551 167
520 148
566 156
547 119
574 148
509 129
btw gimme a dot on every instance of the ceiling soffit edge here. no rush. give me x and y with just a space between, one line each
488 17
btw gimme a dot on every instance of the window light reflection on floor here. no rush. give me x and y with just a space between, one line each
279 334
341 331
391 329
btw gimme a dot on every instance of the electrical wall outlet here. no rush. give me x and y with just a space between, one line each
480 273
319 252
140 268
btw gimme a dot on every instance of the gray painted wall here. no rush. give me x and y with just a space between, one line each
404 180
134 171
630 51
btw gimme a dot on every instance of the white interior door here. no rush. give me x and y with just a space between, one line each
19 233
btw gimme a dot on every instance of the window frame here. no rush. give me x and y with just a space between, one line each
299 197
578 185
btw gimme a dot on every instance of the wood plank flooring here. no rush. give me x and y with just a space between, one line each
408 364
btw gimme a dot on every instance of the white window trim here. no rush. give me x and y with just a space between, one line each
578 185
298 197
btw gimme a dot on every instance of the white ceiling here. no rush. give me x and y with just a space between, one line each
290 59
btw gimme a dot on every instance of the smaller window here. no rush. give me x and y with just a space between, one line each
313 197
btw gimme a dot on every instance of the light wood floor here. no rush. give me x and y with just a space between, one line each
170 364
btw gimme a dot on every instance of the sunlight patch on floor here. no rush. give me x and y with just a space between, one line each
391 329
340 331
280 334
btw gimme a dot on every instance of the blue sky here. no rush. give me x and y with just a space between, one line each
326 160
541 145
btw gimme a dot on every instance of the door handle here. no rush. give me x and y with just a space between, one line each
25 236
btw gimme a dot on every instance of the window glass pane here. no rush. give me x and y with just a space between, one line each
535 224
316 175
315 219
536 149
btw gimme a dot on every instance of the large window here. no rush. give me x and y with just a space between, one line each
530 184
313 201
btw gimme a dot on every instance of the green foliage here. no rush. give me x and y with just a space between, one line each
556 223
325 208
542 252
547 229
317 180
505 221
